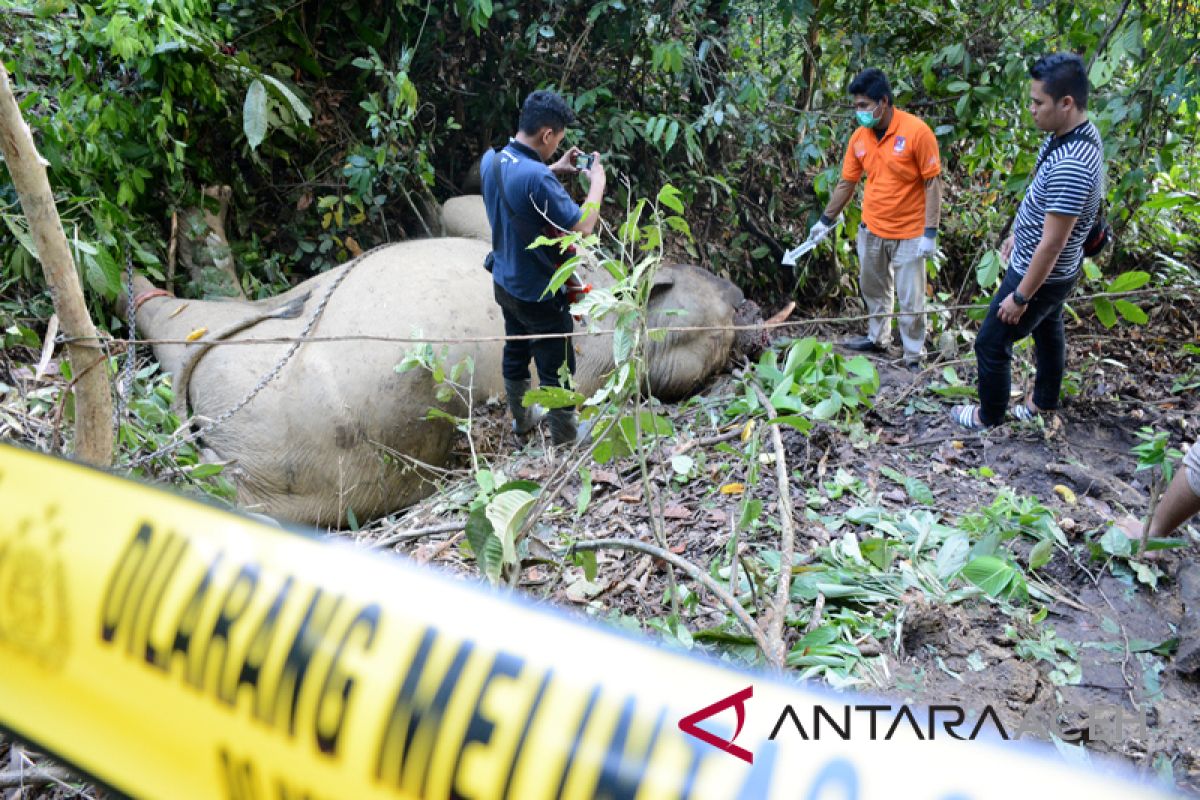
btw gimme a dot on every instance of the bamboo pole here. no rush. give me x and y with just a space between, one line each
93 396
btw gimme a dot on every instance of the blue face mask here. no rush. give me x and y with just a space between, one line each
866 118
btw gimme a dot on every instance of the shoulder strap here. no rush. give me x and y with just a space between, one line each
496 179
1073 136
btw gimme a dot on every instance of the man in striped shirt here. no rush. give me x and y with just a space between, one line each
1045 250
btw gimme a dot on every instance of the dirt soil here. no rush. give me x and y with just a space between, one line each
948 654
1122 380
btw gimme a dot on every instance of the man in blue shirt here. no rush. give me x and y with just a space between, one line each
1045 251
524 200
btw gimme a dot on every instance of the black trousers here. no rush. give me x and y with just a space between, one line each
993 348
522 318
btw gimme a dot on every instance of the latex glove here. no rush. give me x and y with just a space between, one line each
926 247
819 231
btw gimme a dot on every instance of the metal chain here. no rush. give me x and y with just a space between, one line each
267 378
125 393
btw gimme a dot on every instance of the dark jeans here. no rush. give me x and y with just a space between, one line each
522 318
993 348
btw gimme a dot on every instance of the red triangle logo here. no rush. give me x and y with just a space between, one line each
738 701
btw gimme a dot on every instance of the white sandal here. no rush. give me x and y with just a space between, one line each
966 417
1023 413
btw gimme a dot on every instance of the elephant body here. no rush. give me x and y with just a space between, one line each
339 429
466 216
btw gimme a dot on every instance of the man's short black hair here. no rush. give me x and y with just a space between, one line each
545 109
872 83
1062 74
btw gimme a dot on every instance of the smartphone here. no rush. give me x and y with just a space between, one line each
583 162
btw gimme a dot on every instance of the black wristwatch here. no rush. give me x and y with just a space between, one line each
1019 298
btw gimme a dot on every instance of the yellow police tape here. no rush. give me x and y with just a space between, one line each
173 650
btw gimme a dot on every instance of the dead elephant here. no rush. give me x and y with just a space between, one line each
339 429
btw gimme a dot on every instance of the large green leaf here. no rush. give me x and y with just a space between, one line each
254 114
952 555
669 195
1129 281
507 512
1105 311
298 108
993 575
487 548
552 397
988 269
1130 312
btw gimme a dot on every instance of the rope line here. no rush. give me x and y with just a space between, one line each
63 339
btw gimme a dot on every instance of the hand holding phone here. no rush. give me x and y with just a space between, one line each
583 162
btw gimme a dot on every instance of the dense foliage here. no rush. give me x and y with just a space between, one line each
339 123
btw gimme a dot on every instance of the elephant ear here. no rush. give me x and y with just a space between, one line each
663 280
702 282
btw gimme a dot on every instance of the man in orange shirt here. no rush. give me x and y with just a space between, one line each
901 209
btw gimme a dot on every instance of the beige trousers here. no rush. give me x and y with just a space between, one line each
882 264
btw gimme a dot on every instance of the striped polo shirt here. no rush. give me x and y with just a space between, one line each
1070 182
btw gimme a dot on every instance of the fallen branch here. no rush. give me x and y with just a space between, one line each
416 533
787 548
694 572
34 776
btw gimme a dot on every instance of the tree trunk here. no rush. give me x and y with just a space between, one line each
93 398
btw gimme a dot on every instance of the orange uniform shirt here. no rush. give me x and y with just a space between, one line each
897 167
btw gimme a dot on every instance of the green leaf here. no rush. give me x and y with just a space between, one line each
952 556
506 511
298 108
1041 553
487 548
668 196
201 471
585 492
587 560
751 511
486 480
560 276
672 133
828 408
878 551
957 86
824 635
988 269
1116 543
1131 313
802 424
254 114
1104 311
553 397
918 491
1129 281
991 574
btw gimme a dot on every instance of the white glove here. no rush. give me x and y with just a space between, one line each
926 247
819 231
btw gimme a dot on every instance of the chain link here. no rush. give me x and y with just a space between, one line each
267 378
125 392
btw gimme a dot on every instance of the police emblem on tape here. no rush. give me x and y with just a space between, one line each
33 591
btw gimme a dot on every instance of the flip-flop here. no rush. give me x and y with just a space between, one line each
965 417
1023 413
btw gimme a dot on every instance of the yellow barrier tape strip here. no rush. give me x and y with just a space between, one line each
174 650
